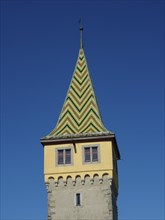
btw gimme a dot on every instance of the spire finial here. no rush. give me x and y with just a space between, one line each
81 33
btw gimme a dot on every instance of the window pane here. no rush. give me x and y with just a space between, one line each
94 153
87 154
78 199
68 156
60 156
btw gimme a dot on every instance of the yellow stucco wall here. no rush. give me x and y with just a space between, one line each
105 164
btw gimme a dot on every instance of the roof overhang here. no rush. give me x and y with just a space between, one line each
79 139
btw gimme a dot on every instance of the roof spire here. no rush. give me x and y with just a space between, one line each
80 114
81 33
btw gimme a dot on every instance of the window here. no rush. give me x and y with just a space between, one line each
91 154
63 156
87 154
78 199
68 156
60 156
94 154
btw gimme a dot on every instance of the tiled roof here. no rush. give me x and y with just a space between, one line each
80 113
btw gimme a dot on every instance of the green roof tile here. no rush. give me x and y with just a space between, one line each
80 113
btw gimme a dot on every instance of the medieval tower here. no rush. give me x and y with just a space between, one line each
80 156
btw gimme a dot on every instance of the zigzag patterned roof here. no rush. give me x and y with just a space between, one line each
80 113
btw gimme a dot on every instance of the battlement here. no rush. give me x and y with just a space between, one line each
96 193
78 180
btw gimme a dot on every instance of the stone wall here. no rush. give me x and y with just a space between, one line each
98 199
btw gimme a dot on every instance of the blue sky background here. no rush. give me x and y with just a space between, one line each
124 47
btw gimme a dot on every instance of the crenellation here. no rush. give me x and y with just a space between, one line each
95 180
95 195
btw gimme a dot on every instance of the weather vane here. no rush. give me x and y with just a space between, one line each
80 22
81 33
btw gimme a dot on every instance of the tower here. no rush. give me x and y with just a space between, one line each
80 155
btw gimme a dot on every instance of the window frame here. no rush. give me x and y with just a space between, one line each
64 156
91 154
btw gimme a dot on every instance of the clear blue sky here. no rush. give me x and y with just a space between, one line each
123 42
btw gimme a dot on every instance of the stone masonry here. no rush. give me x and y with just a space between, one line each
97 199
